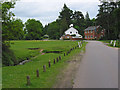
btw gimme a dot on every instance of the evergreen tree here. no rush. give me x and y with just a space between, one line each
108 18
87 20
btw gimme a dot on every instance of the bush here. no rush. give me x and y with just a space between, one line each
8 58
66 39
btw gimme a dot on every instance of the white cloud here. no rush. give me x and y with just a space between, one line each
48 10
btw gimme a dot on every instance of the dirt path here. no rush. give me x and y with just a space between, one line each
65 79
98 67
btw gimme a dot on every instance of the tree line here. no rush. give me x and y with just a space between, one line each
109 18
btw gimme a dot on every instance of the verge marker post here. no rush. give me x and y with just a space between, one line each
44 68
37 71
111 42
54 61
28 80
114 43
60 57
64 54
57 59
49 64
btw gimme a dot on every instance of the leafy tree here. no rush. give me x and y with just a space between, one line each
53 30
108 18
8 57
33 29
17 30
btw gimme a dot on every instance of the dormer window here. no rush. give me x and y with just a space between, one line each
70 32
76 32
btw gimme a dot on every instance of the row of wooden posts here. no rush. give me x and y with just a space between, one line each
54 62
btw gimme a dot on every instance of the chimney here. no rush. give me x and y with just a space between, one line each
71 25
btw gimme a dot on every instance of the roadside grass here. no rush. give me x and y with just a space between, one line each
111 45
0 78
15 76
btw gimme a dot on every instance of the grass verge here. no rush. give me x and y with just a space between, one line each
15 76
107 42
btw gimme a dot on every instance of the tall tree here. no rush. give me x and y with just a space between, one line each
17 29
65 18
8 57
53 30
78 21
108 18
34 29
87 20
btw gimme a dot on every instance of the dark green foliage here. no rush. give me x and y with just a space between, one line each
8 58
33 29
66 14
17 30
53 30
88 22
109 18
79 22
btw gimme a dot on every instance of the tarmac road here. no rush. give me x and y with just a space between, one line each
98 68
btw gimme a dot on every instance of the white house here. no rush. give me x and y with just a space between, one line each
72 34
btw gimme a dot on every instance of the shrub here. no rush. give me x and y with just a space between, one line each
8 58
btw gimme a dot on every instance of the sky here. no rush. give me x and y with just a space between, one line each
47 11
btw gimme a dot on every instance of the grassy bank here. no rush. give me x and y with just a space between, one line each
15 76
111 45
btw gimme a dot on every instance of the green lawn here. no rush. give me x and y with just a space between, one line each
15 76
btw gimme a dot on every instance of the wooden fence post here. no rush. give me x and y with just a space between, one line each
49 63
28 80
37 71
64 54
54 61
60 57
44 68
57 59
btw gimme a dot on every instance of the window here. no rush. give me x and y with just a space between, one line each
85 31
70 32
91 31
85 36
91 36
88 36
76 32
67 36
88 31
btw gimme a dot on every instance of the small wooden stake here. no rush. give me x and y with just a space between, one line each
44 68
67 53
49 63
64 54
57 59
54 61
37 71
28 80
60 57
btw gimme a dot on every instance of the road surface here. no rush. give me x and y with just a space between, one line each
98 68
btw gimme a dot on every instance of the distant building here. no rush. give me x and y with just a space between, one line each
94 32
71 34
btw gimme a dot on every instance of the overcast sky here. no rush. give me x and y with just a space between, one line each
48 10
